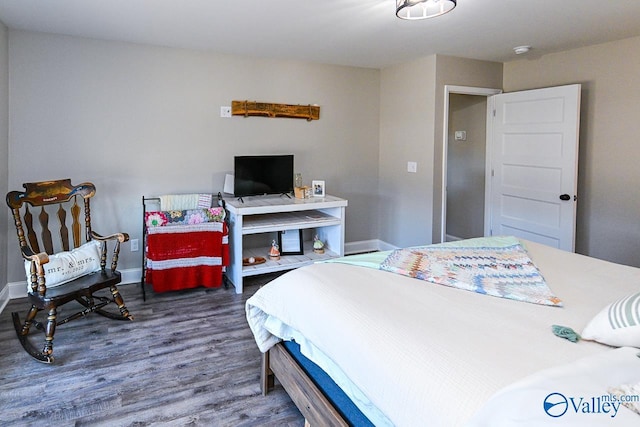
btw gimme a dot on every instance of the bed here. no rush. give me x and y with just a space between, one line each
411 352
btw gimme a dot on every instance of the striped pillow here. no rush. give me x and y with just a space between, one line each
618 324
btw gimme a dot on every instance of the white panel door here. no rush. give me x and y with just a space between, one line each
534 165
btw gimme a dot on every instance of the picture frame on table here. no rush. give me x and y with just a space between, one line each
290 242
317 188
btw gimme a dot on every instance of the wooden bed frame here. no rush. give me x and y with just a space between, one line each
311 402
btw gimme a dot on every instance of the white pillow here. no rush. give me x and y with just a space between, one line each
63 267
618 324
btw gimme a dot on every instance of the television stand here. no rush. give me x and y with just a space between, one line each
255 222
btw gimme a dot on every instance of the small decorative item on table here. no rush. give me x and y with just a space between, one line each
318 246
317 188
300 191
303 192
253 261
274 252
290 242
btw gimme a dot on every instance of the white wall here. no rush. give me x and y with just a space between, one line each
608 172
466 166
407 114
148 118
411 129
4 150
142 120
458 72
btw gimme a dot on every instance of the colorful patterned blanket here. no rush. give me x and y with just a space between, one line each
497 266
184 217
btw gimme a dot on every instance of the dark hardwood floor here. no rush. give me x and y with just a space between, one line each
188 359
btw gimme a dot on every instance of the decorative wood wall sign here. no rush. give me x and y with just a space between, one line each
265 109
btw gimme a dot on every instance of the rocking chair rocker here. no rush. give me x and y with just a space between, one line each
59 273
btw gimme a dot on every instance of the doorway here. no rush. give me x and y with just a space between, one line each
464 168
531 159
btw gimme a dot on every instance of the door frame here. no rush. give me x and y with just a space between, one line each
465 90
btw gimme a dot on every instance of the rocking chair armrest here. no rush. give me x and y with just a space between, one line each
121 237
39 258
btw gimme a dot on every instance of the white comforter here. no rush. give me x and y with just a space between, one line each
578 390
424 353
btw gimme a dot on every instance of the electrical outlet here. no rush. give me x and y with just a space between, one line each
134 245
225 111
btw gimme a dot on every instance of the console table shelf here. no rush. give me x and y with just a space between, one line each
287 221
286 262
270 214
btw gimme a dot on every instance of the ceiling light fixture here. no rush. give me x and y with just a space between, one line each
423 9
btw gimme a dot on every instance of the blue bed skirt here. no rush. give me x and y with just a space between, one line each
329 388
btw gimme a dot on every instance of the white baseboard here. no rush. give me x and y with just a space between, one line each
364 246
4 297
360 247
133 275
384 246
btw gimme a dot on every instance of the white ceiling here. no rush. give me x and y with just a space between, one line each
347 32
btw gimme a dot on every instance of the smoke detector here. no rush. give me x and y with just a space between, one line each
519 50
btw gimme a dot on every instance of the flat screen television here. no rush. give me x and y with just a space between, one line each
258 175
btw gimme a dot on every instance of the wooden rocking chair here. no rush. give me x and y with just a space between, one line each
60 273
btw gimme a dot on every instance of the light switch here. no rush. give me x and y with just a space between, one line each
412 167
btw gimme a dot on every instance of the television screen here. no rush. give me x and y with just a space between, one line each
257 175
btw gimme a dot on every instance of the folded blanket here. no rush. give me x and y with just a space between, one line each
180 202
186 217
496 266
